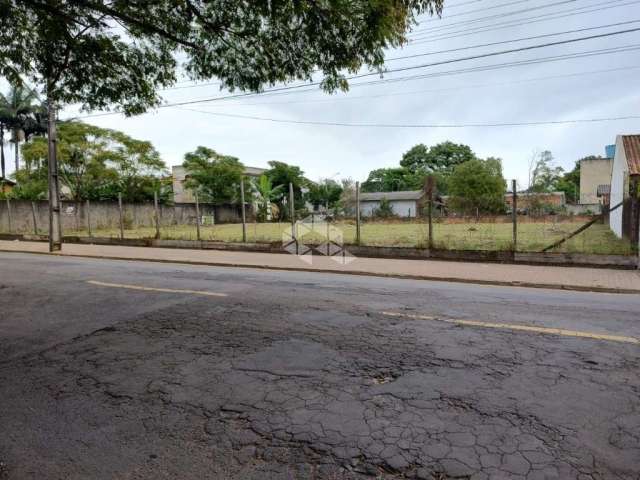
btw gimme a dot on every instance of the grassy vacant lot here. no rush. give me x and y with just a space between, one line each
468 236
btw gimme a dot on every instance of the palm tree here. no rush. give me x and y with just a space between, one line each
15 108
266 193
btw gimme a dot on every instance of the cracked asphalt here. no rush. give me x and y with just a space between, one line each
297 375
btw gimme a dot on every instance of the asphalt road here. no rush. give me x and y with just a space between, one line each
131 370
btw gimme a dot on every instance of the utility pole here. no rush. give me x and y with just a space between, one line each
55 224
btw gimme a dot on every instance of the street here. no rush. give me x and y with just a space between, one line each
139 370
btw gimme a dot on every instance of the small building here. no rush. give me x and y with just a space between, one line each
595 177
6 185
626 170
403 204
184 195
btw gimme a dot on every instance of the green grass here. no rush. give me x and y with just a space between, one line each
597 239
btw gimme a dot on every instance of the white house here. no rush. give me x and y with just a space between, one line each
403 204
626 164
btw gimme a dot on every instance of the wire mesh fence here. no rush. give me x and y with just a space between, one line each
409 226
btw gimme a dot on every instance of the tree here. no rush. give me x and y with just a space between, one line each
326 192
215 177
392 180
97 163
438 160
569 183
281 174
384 209
543 173
15 107
347 201
97 53
267 194
478 184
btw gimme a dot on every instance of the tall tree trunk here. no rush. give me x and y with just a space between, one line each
55 224
2 151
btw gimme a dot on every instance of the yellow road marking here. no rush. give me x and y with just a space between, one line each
152 289
526 328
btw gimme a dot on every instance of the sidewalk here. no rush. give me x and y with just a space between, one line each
569 278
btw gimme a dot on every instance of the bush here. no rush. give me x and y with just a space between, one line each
384 210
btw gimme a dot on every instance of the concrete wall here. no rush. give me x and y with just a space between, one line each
592 174
106 215
619 186
401 208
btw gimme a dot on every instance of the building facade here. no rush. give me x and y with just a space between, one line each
595 178
404 204
626 169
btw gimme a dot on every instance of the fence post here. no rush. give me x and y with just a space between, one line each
429 188
156 214
514 214
89 218
33 213
244 217
358 213
197 217
292 212
121 217
9 215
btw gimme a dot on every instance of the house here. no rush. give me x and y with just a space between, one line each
6 185
595 178
404 204
184 195
626 170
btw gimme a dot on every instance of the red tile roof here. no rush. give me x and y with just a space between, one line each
631 144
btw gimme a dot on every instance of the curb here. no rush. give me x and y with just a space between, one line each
575 288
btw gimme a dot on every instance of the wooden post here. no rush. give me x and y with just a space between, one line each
88 218
9 215
634 205
33 213
292 213
514 214
429 188
244 217
197 217
121 216
357 213
156 214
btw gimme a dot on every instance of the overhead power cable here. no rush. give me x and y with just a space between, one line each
295 88
415 125
433 90
473 57
513 23
498 16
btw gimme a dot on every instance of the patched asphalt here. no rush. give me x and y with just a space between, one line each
302 375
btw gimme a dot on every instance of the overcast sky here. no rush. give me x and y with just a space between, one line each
517 94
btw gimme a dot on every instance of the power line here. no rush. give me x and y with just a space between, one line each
493 7
504 52
516 23
295 88
498 15
473 57
415 125
414 92
521 39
